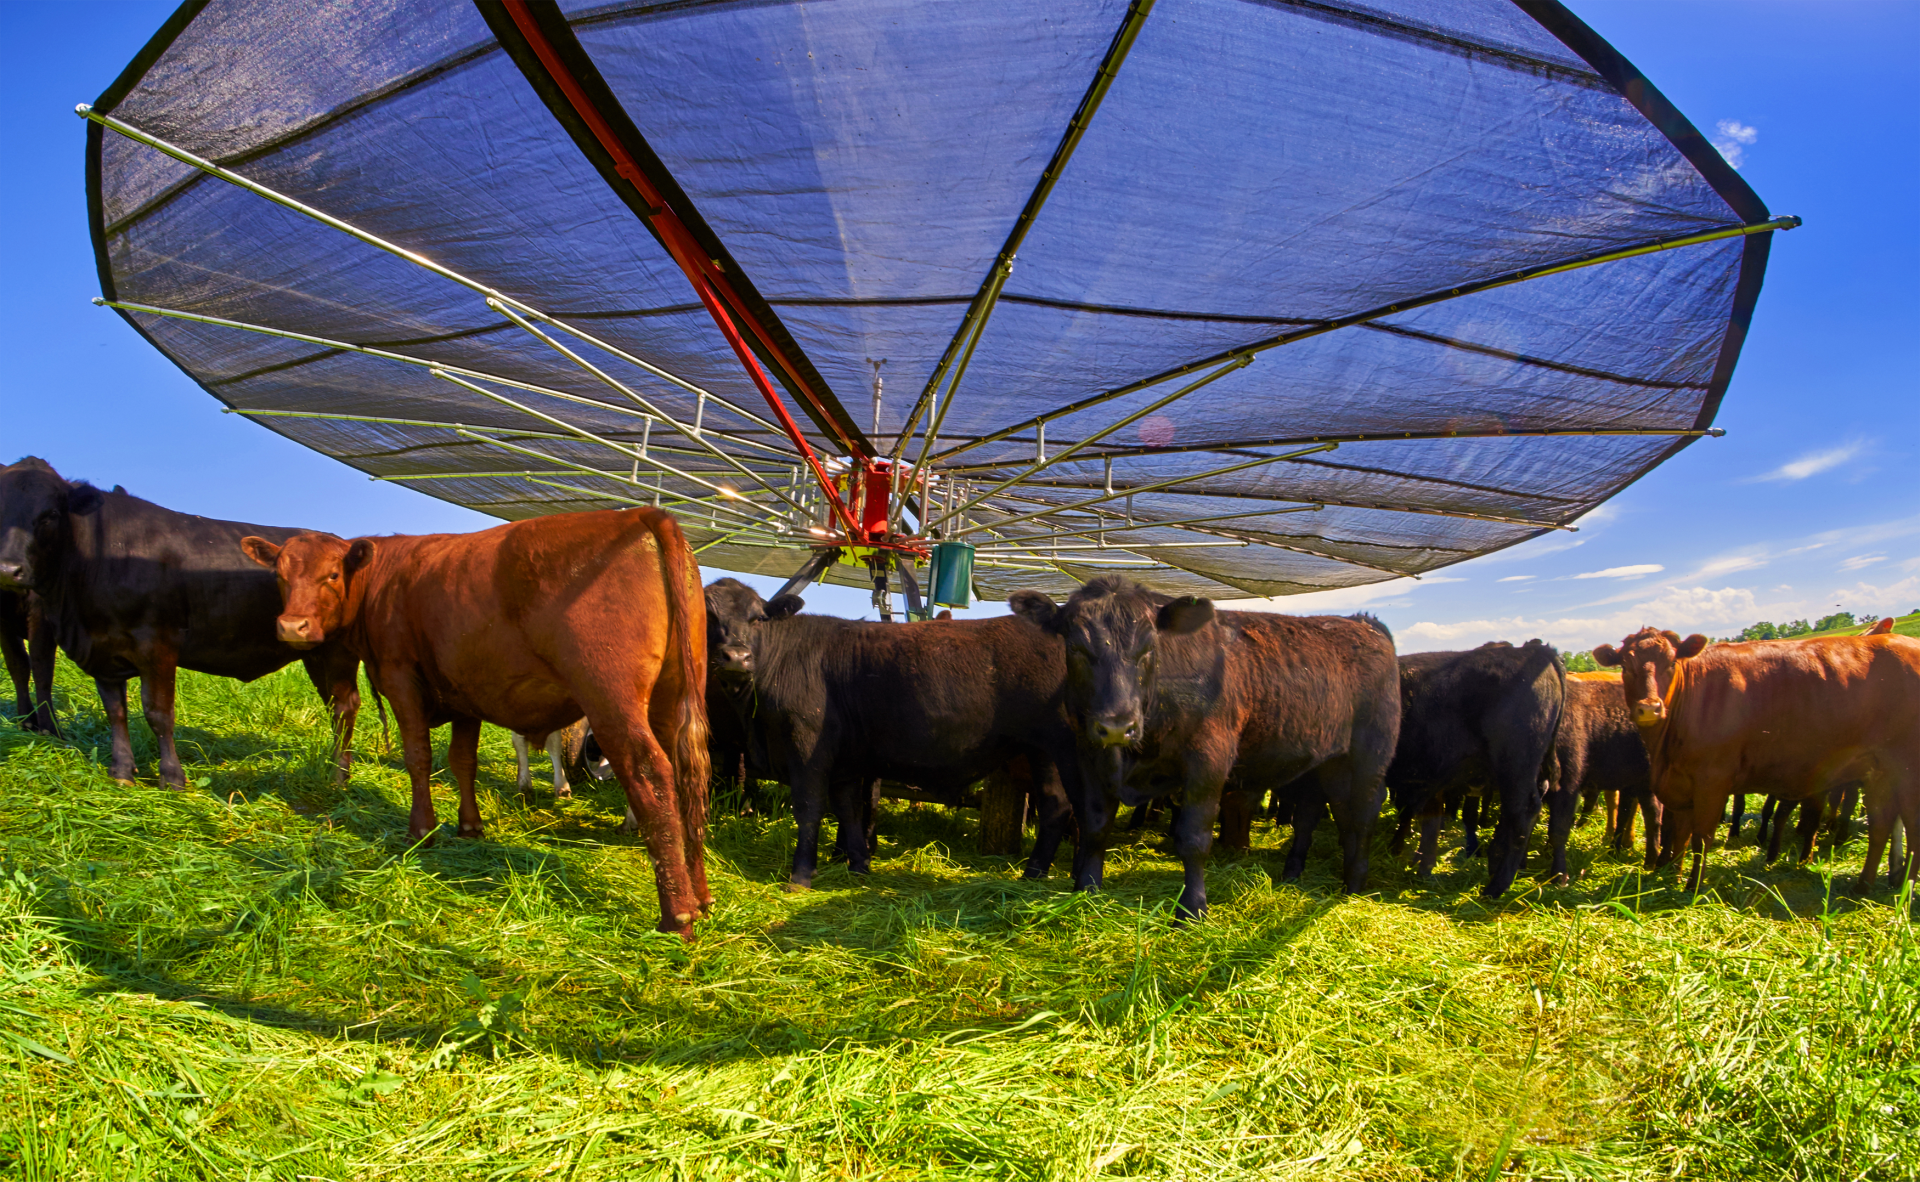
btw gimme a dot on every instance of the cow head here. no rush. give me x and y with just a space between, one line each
734 612
1112 630
1648 661
317 583
34 507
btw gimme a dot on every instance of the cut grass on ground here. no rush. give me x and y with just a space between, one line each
257 978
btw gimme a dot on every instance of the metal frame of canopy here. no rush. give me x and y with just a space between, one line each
860 498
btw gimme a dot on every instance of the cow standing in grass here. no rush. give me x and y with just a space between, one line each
529 626
1791 718
26 639
1171 698
131 589
833 706
1599 754
1486 716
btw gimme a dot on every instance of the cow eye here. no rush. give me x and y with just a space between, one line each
333 576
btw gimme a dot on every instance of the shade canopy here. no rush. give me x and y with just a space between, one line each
1236 297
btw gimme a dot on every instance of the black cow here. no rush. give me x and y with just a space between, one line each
833 706
134 590
1599 753
1487 716
27 642
1171 698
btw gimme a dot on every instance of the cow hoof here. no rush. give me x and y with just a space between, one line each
474 833
422 840
1559 880
563 794
796 888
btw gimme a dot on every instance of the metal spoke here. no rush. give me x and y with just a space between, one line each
692 433
1651 246
1127 492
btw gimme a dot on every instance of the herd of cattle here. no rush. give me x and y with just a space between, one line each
1119 696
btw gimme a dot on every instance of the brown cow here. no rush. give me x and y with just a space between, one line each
1789 718
528 626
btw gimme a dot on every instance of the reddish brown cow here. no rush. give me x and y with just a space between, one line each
529 626
1789 718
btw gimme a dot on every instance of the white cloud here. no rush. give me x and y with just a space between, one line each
1811 464
1514 579
1733 139
1727 565
1859 561
1338 600
1623 572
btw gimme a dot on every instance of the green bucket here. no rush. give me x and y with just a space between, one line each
950 577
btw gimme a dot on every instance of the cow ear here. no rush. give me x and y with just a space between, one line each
261 551
1691 646
784 606
84 498
1037 608
358 555
1185 614
1606 655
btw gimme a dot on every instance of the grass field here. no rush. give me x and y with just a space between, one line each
1907 625
257 979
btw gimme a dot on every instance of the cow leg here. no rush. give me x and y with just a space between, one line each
1767 810
1307 811
13 635
336 678
523 766
1739 817
849 809
463 760
1783 811
1560 806
1880 821
1521 794
1430 820
1193 824
113 699
416 751
1650 816
1812 812
557 756
809 806
41 651
1053 819
1588 798
1620 821
1709 803
1236 820
1353 795
156 702
1470 823
1402 826
1142 813
1840 824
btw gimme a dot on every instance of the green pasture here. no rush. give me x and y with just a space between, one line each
258 979
1907 625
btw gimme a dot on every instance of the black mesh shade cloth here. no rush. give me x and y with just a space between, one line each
1236 297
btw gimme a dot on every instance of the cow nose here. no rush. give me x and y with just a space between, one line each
296 631
14 574
1116 732
1648 713
737 659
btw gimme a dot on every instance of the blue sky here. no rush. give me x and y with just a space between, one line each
1812 501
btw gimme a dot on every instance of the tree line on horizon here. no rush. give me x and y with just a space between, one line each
1581 660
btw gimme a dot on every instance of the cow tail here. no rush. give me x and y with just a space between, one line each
1551 771
687 622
